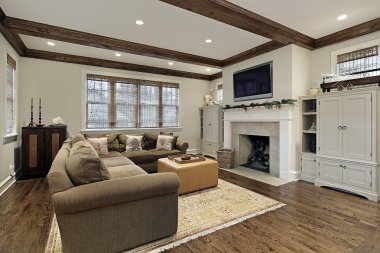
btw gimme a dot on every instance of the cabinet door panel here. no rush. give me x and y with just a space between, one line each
214 125
330 171
357 126
207 128
308 165
330 118
357 176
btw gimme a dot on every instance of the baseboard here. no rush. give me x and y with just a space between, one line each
6 184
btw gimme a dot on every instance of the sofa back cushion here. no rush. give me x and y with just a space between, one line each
112 140
149 141
84 165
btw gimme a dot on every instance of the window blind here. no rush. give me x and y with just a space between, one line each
10 96
363 62
114 102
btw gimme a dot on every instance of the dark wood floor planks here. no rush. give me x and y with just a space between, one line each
313 220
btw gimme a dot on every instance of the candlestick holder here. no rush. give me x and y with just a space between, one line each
31 116
39 115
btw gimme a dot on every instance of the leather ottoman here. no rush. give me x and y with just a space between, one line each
192 176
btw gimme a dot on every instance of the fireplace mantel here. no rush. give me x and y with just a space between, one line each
284 117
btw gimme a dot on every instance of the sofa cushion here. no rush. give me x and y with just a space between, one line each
133 143
99 144
112 140
139 157
165 142
76 138
125 171
84 165
111 154
149 141
174 141
165 153
116 161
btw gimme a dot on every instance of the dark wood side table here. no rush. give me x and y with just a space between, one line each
40 145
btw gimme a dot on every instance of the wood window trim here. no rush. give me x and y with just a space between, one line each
112 104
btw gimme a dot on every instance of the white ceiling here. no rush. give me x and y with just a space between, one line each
315 18
173 28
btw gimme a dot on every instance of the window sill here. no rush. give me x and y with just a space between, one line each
131 130
10 138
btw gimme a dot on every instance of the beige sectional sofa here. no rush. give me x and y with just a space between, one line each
122 209
146 158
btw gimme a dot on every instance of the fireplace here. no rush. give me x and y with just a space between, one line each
255 152
275 124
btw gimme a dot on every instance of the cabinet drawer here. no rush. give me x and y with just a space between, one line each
210 148
330 171
358 176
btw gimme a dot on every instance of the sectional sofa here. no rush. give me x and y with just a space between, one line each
108 203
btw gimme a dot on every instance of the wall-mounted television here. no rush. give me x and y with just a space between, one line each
254 83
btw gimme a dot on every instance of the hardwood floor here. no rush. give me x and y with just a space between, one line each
313 220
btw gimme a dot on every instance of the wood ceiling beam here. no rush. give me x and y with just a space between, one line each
51 56
234 15
12 37
253 52
87 39
216 76
349 33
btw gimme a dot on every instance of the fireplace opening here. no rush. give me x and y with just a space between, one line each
257 153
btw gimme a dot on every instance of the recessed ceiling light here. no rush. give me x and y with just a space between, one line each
208 69
139 22
342 17
118 54
208 40
50 43
171 63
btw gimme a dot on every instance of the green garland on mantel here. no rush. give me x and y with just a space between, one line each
269 105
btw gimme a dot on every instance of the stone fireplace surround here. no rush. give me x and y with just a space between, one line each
275 123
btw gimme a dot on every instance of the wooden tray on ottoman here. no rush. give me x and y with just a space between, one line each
193 159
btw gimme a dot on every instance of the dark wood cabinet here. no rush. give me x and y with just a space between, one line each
40 145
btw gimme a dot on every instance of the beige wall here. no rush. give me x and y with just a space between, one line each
61 87
6 150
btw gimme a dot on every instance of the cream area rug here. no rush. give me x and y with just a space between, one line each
199 213
258 176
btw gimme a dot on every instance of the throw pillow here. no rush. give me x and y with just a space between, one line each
174 143
164 142
84 165
149 141
99 144
133 143
113 142
76 138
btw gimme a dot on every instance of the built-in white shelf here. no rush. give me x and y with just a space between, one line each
310 113
309 132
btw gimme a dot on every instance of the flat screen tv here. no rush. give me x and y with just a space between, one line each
253 83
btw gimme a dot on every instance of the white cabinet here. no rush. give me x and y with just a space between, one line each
347 175
211 129
345 126
347 155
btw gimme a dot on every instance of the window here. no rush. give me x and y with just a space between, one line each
220 92
363 62
10 124
114 102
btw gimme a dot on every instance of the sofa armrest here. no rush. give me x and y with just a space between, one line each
115 191
182 146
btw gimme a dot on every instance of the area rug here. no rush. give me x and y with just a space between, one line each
199 213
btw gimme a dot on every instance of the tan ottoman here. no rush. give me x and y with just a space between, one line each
192 176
